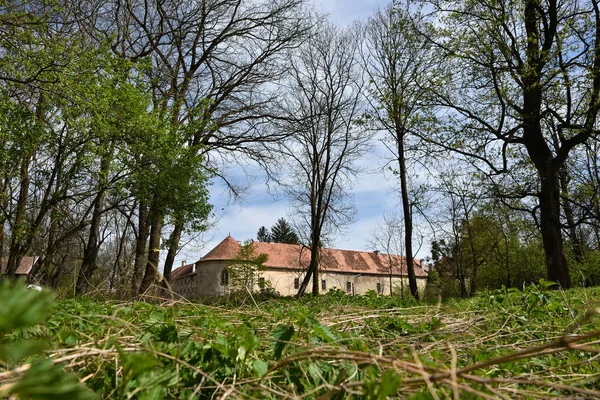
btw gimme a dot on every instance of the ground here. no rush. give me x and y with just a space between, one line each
534 343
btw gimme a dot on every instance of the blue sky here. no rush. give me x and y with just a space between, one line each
374 193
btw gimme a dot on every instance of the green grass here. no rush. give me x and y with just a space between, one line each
534 343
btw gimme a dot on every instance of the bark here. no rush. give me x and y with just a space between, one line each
17 251
556 262
537 147
576 245
122 239
90 253
408 226
140 248
2 226
313 268
151 270
40 265
474 258
174 239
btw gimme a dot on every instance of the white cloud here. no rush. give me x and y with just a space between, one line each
374 193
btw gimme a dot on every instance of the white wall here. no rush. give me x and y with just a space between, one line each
207 282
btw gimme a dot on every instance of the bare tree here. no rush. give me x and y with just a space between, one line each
215 67
462 194
388 237
399 66
323 102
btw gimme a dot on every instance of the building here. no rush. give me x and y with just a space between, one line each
23 268
355 272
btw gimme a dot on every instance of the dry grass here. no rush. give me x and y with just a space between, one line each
460 350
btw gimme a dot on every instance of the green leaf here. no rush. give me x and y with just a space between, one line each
45 381
260 367
325 333
21 307
22 348
281 334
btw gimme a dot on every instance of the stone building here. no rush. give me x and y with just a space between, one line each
354 272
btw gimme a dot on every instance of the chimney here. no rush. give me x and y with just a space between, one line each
376 252
183 263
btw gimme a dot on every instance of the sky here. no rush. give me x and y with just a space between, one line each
262 204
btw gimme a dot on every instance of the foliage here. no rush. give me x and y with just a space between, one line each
26 372
503 343
263 235
494 246
282 232
245 269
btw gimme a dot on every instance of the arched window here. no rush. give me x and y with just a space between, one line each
224 278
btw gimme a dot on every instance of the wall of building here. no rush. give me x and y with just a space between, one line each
284 282
185 286
207 282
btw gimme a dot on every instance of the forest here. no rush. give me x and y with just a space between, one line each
117 116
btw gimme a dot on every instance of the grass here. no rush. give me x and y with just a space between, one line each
534 343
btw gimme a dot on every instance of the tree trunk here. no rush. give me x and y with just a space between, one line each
140 248
474 258
151 271
408 226
576 245
39 266
173 247
556 262
16 251
314 265
90 253
538 150
312 272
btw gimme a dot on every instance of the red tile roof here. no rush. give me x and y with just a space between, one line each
226 250
182 272
293 256
23 268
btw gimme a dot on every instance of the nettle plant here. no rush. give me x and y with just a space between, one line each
26 372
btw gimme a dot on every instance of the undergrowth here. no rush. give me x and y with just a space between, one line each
507 343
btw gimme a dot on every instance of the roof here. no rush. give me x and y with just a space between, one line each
183 271
23 268
294 257
226 250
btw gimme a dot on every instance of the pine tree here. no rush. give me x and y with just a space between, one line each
263 235
282 232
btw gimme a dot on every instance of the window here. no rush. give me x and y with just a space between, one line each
348 286
379 288
296 283
224 278
261 283
323 285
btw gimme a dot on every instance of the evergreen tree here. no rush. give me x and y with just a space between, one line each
282 232
263 235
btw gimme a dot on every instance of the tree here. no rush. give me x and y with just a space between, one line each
322 105
387 236
263 235
399 65
244 271
214 72
514 70
282 232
